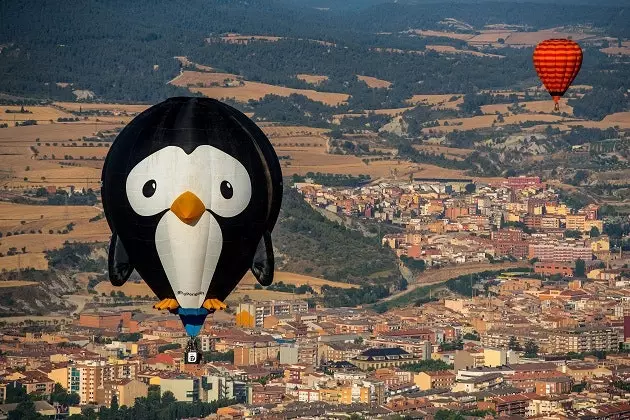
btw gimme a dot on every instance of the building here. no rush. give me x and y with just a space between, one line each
494 357
302 353
575 222
582 340
263 395
522 182
253 314
542 406
104 320
337 351
383 357
550 268
125 390
216 387
554 386
255 350
85 377
507 405
559 252
183 387
35 382
441 379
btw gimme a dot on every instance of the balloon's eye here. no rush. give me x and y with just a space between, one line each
226 190
149 188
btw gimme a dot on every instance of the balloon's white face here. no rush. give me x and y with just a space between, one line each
189 252
216 178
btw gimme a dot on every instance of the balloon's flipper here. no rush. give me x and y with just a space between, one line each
214 305
193 319
170 304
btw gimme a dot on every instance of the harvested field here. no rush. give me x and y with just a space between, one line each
290 131
448 49
312 78
245 39
619 117
533 38
76 106
23 261
441 34
296 280
41 114
530 106
450 152
130 288
486 121
16 283
257 91
489 37
616 50
437 101
75 151
186 62
392 112
203 79
373 82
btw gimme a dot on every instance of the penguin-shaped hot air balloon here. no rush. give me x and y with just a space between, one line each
191 190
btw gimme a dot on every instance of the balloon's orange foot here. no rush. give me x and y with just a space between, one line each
169 304
214 304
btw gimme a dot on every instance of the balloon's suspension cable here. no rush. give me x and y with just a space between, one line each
192 344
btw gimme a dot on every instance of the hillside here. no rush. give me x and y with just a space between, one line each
309 243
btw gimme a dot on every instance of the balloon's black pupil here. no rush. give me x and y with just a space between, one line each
226 190
149 188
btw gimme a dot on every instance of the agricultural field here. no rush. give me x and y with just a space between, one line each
450 152
244 39
511 38
41 114
373 82
230 86
448 49
487 121
256 91
312 78
530 106
186 62
437 101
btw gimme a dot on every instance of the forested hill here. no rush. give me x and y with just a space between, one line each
311 244
123 50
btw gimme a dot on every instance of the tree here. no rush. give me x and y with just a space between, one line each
531 349
471 188
168 398
114 405
594 232
15 393
25 411
576 234
580 268
514 344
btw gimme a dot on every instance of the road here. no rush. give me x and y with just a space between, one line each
432 277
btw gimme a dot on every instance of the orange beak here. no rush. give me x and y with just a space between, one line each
188 207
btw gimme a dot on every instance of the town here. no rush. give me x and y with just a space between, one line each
547 338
